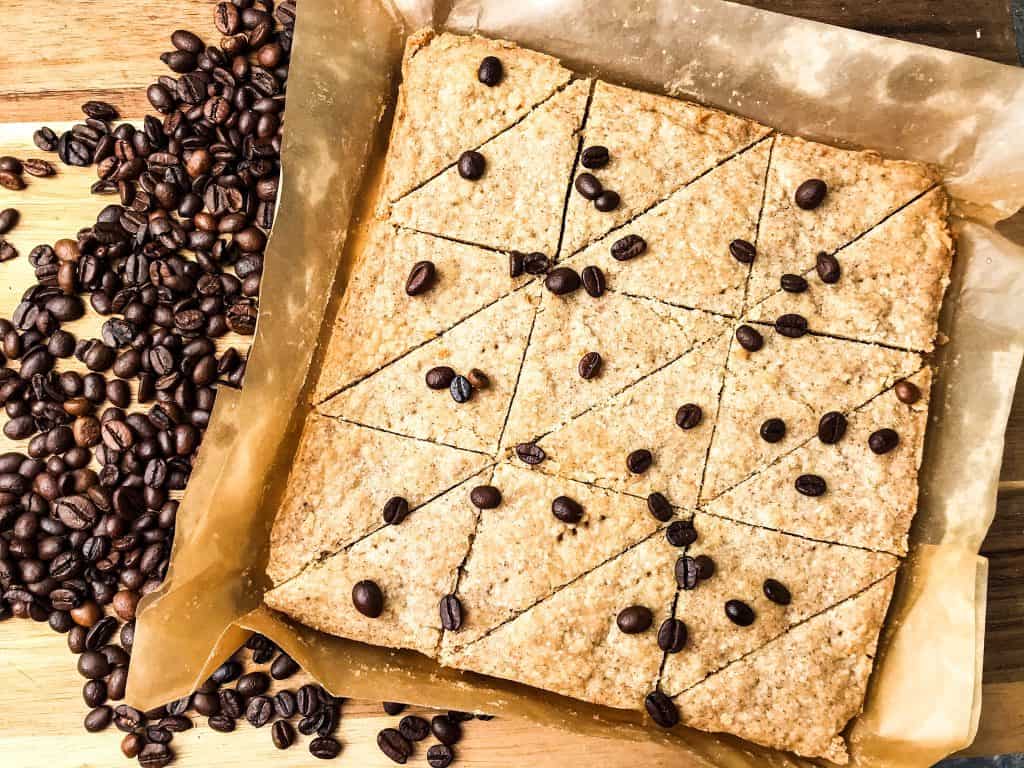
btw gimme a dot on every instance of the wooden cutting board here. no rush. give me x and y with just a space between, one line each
56 54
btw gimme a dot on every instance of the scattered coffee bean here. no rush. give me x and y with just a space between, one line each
628 247
155 756
743 251
639 461
396 509
485 497
221 723
567 510
461 390
451 613
593 281
283 667
883 440
393 707
39 168
681 533
594 157
749 338
810 194
440 756
414 728
793 283
259 711
471 165
634 619
907 392
445 729
478 379
739 613
530 453
672 635
562 280
516 264
661 709
282 734
832 427
588 186
131 745
285 705
368 599
8 220
811 485
536 263
7 252
607 201
394 745
705 567
776 592
791 325
828 268
325 747
98 719
689 416
686 573
490 71
590 365
421 278
252 684
45 139
93 665
773 430
659 507
440 377
11 181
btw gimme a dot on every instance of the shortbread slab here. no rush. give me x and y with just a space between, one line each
635 337
798 692
871 498
687 260
817 576
397 398
863 189
569 643
379 322
593 447
799 381
405 561
522 552
341 477
891 283
444 109
517 204
656 144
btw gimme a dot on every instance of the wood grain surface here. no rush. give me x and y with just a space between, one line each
58 53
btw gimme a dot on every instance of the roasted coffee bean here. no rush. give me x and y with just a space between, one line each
739 613
490 71
100 633
252 684
588 186
593 281
368 599
100 110
567 510
681 533
283 667
634 619
883 440
516 264
471 165
791 325
157 735
421 278
285 704
176 724
93 665
394 745
485 497
811 485
705 567
530 453
562 280
10 164
607 201
451 613
221 723
45 139
793 283
226 673
749 338
393 707
283 734
396 509
828 268
832 427
414 728
628 247
440 756
907 392
11 181
308 699
777 592
672 636
117 683
131 745
659 507
662 709
686 572
98 719
536 263
259 711
589 366
810 194
594 157
94 693
207 704
7 251
478 379
39 168
689 415
773 430
744 252
440 377
230 703
445 729
460 389
8 220
639 461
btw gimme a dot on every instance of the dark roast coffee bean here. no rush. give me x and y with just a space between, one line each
485 497
490 71
773 430
471 165
209 704
221 723
414 728
681 533
607 201
791 325
461 390
743 251
562 280
661 709
368 599
776 592
628 247
689 416
259 711
593 281
739 613
440 377
832 427
516 264
478 379
100 633
98 719
451 613
7 251
639 461
590 365
536 263
393 707
176 724
828 268
634 619
155 756
811 485
440 756
11 181
284 703
810 194
421 278
749 338
226 673
594 157
530 453
883 440
659 507
252 684
705 567
396 509
793 283
588 186
686 572
283 667
308 699
100 110
283 734
8 220
907 392
672 636
567 510
45 139
231 703
445 729
394 745
93 665
39 168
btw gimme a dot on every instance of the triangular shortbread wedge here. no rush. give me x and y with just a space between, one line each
443 108
817 575
634 336
378 321
341 478
517 204
397 399
656 144
570 643
891 281
593 447
796 380
522 552
798 692
687 260
863 188
871 499
407 564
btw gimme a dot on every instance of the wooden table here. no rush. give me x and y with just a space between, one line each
58 53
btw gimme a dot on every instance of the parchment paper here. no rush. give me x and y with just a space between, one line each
839 86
